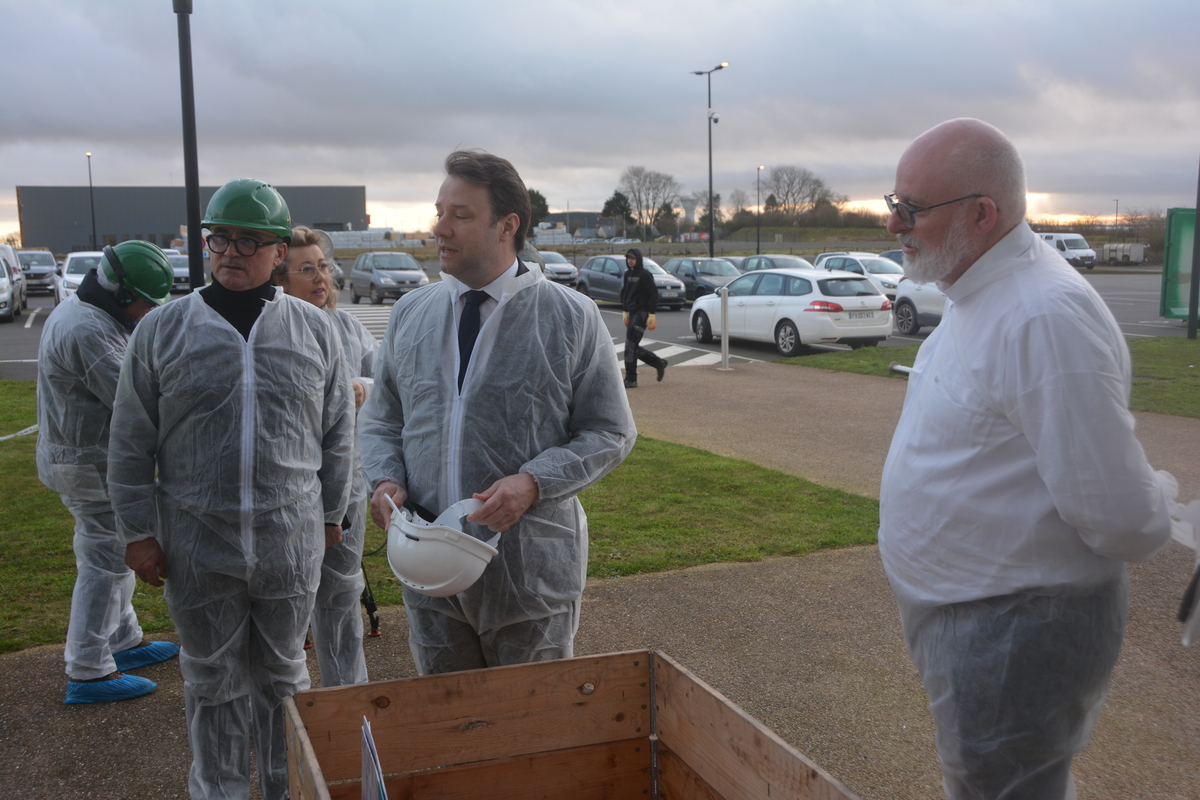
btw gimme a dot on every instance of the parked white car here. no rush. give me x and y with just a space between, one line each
76 266
883 272
797 307
917 305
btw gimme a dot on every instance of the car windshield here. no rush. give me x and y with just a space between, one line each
881 266
36 260
846 287
792 262
1076 244
82 265
553 258
652 266
395 261
717 266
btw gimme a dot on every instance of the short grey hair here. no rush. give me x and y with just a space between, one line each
991 165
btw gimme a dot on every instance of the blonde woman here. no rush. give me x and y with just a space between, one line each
337 625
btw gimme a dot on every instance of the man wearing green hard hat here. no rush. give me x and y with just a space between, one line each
232 437
79 359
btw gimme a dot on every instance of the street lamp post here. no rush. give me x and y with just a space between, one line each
1116 216
758 206
92 198
712 120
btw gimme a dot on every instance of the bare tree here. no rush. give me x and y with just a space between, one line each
647 191
798 190
737 201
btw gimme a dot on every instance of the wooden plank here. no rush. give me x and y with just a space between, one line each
305 781
678 781
727 748
595 772
464 717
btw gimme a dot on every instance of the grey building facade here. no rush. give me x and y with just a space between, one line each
60 217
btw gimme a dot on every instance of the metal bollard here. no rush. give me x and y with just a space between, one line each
896 366
724 327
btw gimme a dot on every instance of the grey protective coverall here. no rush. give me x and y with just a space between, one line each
252 445
542 395
337 619
79 361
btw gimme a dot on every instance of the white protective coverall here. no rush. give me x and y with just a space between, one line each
337 624
79 361
252 444
542 395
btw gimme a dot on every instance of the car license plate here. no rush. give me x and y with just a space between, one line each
670 294
862 315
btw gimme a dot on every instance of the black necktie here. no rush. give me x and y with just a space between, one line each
468 331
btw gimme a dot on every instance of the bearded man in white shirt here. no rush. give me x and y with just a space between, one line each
1014 488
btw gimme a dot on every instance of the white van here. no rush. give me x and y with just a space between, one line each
1073 248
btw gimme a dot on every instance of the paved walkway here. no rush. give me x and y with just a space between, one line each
809 645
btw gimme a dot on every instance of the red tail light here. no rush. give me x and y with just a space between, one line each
887 304
823 305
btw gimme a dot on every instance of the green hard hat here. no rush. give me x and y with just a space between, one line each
144 270
247 203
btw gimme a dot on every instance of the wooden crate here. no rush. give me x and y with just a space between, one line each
622 725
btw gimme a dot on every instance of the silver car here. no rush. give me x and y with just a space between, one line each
13 298
558 268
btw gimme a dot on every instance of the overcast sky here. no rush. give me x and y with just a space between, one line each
1102 97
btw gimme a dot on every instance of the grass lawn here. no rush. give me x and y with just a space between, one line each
667 506
1166 370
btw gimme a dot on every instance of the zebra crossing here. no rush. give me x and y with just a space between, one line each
375 319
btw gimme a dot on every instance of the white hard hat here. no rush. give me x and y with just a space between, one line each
436 558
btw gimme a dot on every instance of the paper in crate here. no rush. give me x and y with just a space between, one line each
633 724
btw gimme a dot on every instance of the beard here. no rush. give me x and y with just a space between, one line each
931 263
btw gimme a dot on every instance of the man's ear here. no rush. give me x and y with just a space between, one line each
507 227
985 215
280 253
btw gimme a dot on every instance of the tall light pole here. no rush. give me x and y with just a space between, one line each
92 198
758 206
712 120
191 166
1116 216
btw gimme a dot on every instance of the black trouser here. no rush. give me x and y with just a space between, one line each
633 346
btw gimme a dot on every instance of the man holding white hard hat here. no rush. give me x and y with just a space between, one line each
497 384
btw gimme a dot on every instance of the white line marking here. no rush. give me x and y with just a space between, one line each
32 314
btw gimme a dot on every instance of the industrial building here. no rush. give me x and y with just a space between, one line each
59 218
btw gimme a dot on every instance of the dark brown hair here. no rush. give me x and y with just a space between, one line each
506 190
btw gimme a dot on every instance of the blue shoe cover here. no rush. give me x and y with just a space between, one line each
152 653
126 687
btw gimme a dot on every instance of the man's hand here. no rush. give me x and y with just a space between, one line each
148 560
360 393
625 318
381 512
333 534
651 324
505 501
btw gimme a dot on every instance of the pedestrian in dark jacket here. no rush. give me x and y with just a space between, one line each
639 299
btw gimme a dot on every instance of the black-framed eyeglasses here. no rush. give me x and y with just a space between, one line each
245 246
309 271
907 213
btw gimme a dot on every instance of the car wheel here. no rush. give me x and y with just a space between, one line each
376 297
906 318
787 339
582 287
702 329
354 296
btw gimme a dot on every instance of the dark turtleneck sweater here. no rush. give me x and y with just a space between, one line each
240 309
